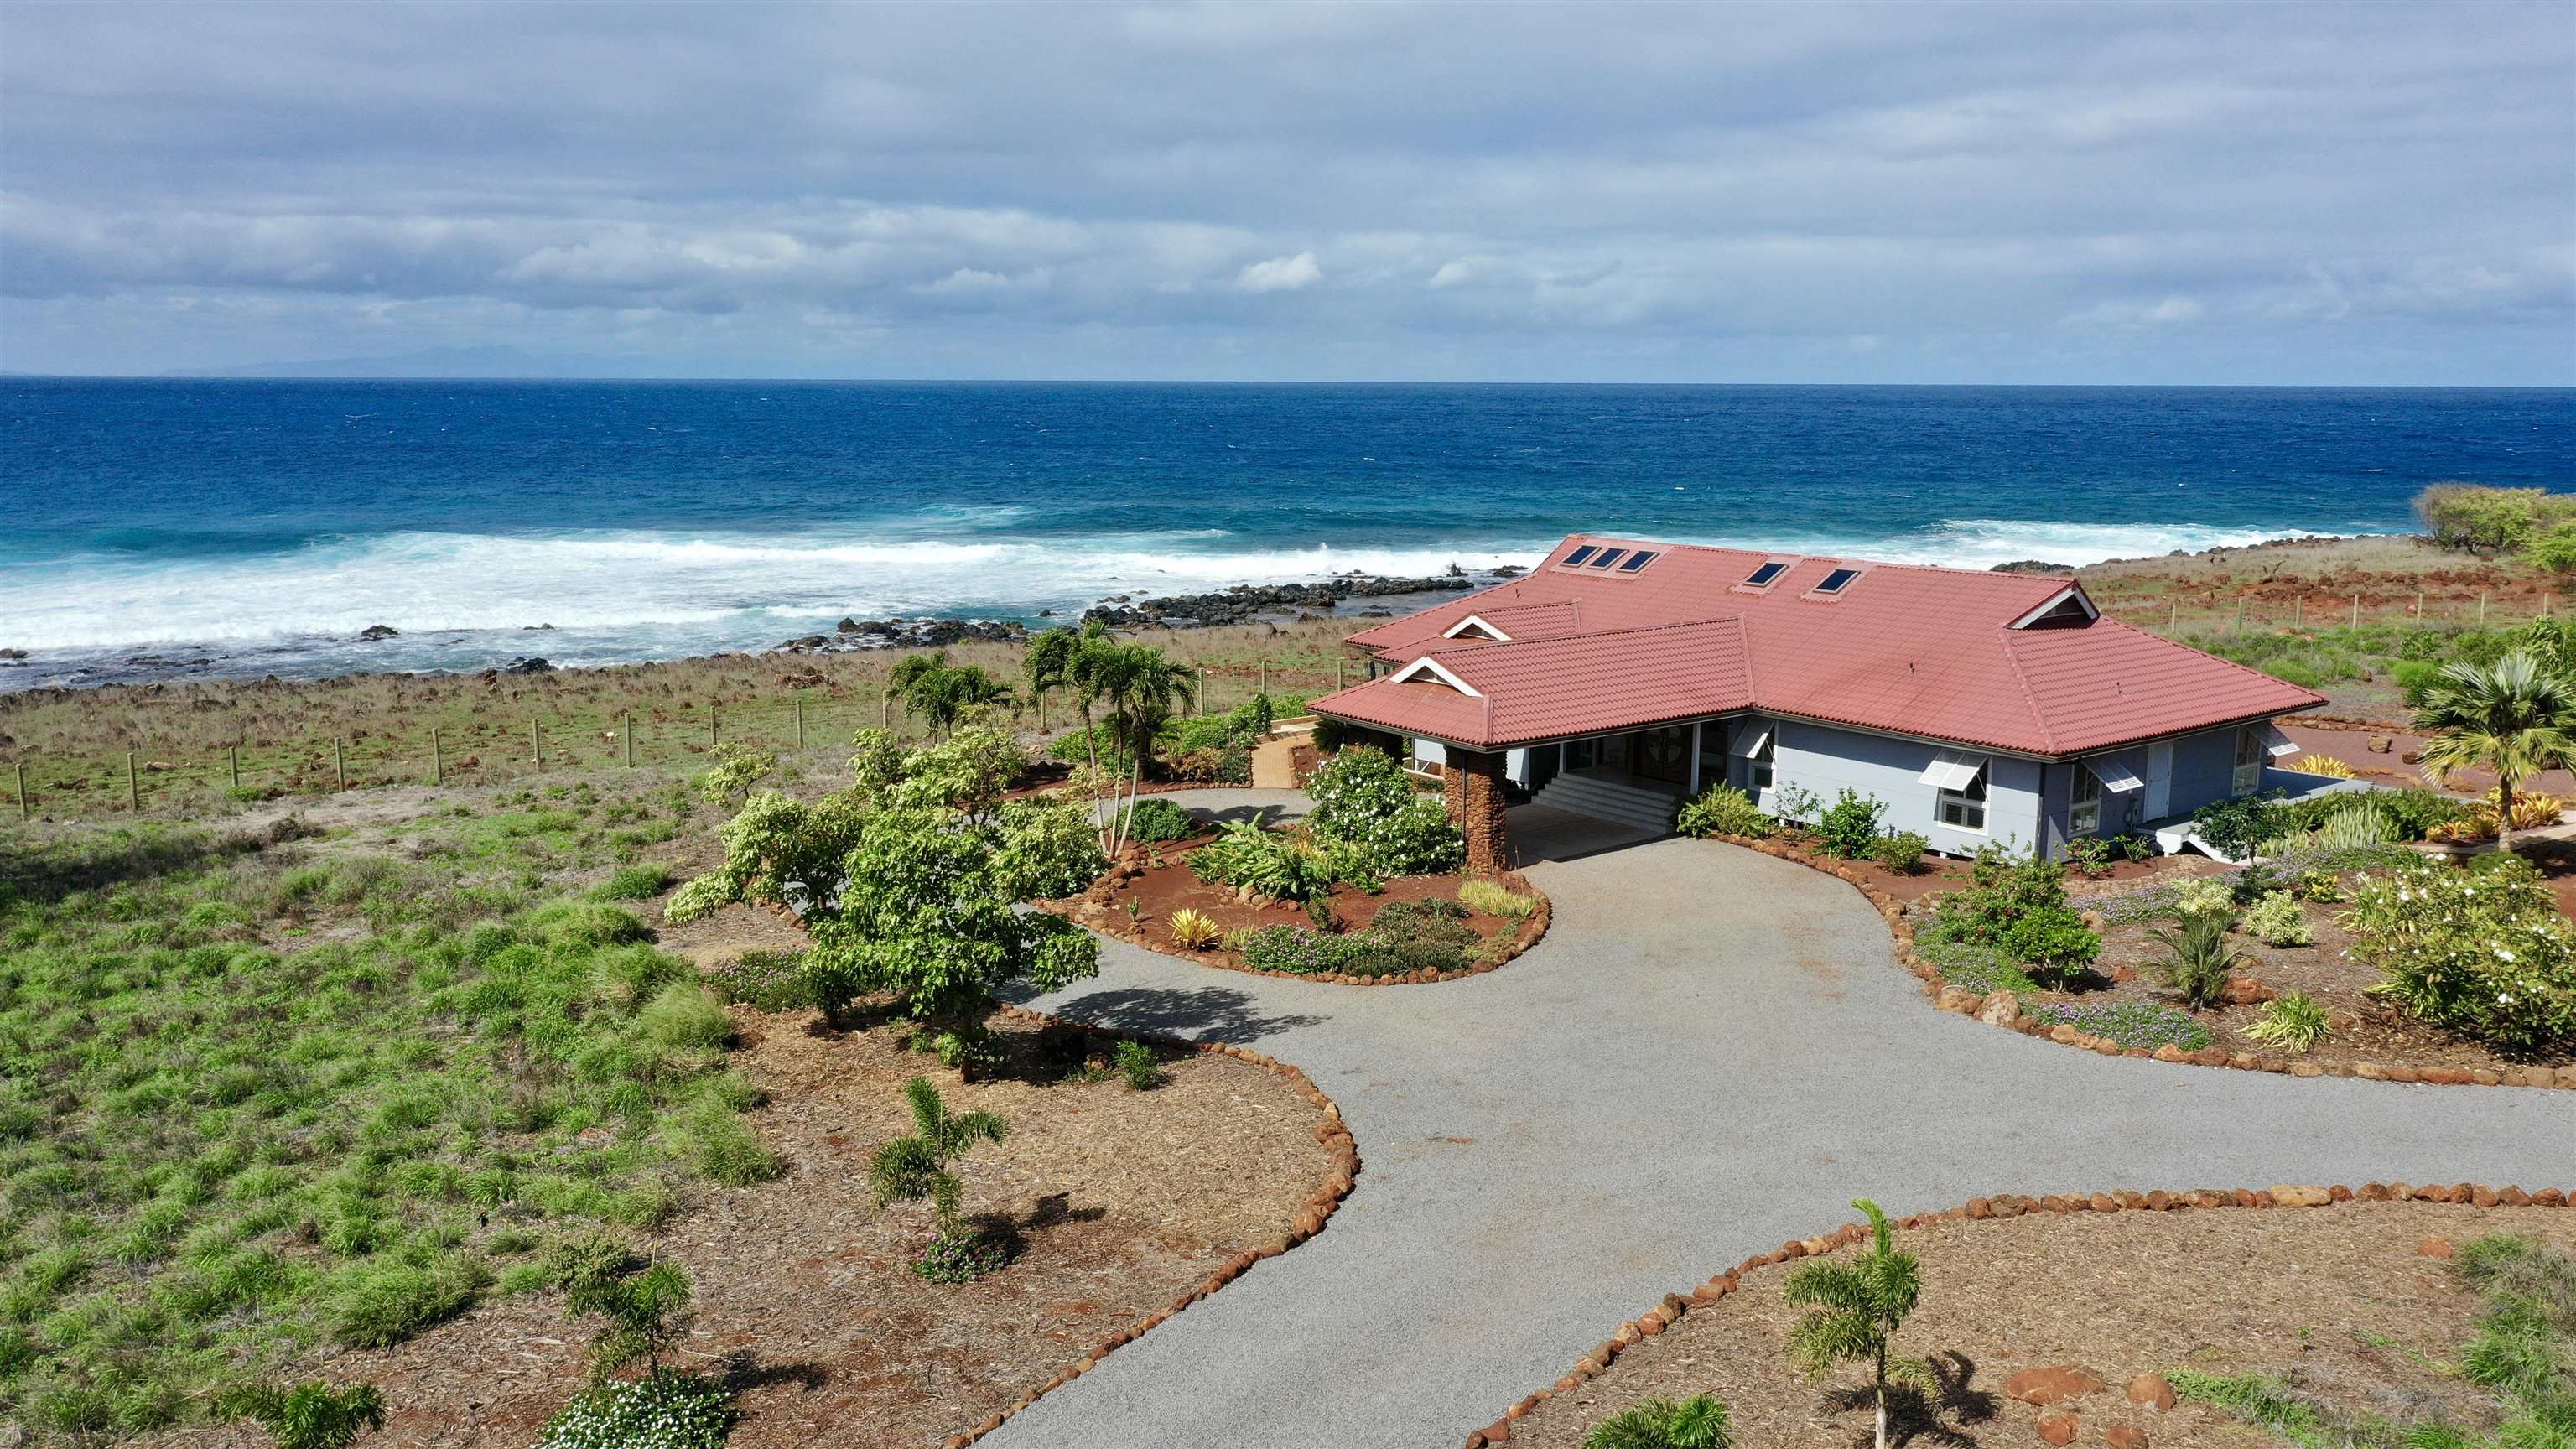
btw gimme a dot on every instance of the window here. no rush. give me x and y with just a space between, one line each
1761 578
1753 747
1960 791
2250 755
2084 815
1575 559
1608 557
1837 581
1637 560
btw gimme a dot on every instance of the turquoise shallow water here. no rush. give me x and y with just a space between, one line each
259 524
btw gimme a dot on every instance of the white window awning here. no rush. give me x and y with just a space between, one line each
2117 778
1952 770
1749 742
2275 742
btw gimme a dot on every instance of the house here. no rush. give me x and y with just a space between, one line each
1621 675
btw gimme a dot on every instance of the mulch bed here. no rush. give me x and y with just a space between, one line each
2340 1297
1138 907
1122 1201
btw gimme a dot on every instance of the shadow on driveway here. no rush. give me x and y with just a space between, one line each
1203 1013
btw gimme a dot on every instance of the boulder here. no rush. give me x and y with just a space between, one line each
2152 1389
2054 1384
2001 1009
374 632
2434 1247
2125 1436
2060 1429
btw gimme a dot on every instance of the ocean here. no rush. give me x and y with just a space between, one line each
238 529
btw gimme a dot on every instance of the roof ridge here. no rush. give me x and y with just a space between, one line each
1488 646
2012 661
1876 563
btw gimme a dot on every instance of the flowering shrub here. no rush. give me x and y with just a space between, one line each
1363 802
2483 952
1723 810
2134 1025
662 1410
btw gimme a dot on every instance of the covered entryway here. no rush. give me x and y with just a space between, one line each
1636 778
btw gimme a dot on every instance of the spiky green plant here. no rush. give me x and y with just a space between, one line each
2292 1020
1698 1422
313 1415
914 1167
2513 717
646 1306
1856 1307
2198 956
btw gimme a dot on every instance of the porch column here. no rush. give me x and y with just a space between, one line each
1473 783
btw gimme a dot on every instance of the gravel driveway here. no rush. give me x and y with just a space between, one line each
1713 1051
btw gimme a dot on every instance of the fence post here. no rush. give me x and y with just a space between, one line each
22 790
1337 670
536 741
1204 706
233 752
2419 606
2299 611
800 720
2356 611
1265 676
1041 711
628 720
2240 613
2482 609
133 792
2173 614
437 759
339 765
711 724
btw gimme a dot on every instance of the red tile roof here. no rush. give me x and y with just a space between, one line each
1905 648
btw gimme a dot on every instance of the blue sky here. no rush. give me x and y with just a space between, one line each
2248 193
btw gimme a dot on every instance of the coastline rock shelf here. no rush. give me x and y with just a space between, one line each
1246 603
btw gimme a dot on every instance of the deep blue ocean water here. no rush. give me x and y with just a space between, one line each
259 524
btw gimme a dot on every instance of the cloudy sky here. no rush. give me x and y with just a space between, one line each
1904 193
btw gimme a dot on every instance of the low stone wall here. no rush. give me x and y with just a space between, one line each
1673 1306
1319 1209
2004 1010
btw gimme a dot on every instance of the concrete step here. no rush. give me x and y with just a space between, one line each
1608 800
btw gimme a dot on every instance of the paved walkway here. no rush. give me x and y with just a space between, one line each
1712 1052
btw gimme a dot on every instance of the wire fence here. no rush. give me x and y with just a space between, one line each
203 773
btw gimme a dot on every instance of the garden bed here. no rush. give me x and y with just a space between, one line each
2354 1304
1123 1204
1136 900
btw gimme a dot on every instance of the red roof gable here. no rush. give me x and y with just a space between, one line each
1900 647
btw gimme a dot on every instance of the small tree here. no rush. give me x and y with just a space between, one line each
914 1167
1857 1308
2512 717
937 692
646 1307
312 1415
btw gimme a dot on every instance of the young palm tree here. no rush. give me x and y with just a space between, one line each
1858 1307
911 1168
934 690
2513 717
1141 686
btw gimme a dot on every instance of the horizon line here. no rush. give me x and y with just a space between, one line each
753 380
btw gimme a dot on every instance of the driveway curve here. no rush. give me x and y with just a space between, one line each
1711 1052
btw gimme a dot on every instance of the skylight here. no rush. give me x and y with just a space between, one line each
1761 578
1837 581
1637 560
1608 557
1576 558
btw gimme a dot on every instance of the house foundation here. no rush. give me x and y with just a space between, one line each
1473 783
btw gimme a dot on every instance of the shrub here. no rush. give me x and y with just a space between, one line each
2088 855
1698 1422
2276 920
1493 900
2484 953
2204 896
1192 930
1723 810
664 1410
1155 820
633 883
1377 955
2198 956
2326 765
1979 968
769 980
1362 801
1138 1064
2233 828
2020 906
2484 519
1901 851
2131 1025
1271 863
2292 1020
1299 950
1440 921
1850 824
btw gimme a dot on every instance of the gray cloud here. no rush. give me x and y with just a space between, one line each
2238 193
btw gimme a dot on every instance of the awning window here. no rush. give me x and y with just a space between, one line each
2115 777
2274 741
1749 742
1951 770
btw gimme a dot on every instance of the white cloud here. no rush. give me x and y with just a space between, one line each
1451 274
1281 274
2165 312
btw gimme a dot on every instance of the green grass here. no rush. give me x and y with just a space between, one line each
267 1097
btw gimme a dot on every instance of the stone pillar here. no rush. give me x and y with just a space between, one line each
1473 782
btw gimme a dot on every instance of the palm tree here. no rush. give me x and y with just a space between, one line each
914 1167
2512 717
1141 685
1858 1307
937 691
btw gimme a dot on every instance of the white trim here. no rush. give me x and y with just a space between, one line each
1749 743
1473 621
1952 770
1428 665
2071 591
2115 777
2276 743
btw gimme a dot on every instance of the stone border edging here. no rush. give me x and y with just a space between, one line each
1330 1133
1969 1003
1673 1306
1532 931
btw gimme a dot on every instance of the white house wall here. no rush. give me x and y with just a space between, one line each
1827 761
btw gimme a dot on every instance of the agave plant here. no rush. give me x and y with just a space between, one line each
1192 930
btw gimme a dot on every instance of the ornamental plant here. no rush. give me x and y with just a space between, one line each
916 1166
2276 920
1855 1308
2233 828
2292 1020
662 1410
2131 1025
1723 810
1362 802
2198 956
1849 825
1901 852
2512 718
1698 1422
2482 952
2019 904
